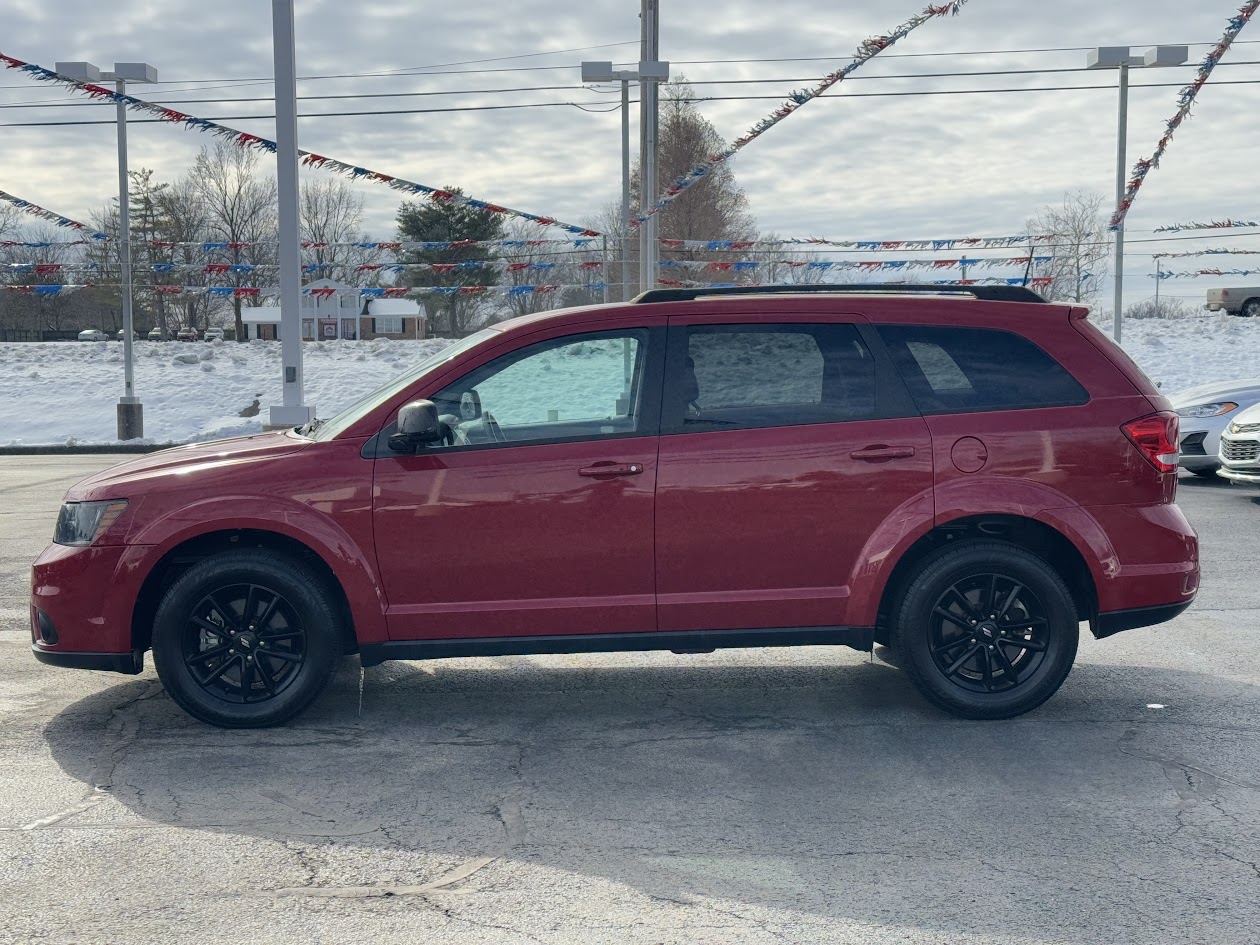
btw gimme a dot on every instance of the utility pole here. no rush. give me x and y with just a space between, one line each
649 122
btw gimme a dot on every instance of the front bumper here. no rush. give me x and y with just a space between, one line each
81 607
1249 476
132 664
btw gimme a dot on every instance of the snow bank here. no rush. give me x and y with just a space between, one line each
55 392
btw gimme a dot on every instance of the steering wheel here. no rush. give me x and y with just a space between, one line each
492 426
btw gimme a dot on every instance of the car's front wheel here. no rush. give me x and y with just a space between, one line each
246 639
986 630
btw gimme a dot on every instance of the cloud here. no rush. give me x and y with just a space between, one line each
849 165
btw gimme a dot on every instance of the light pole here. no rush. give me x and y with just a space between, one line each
1120 57
649 125
593 72
130 410
292 411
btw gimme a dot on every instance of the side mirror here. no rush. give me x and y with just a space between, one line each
418 425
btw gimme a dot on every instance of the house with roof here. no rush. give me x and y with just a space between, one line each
334 311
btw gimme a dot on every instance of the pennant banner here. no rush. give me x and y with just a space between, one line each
1186 101
245 140
1040 282
255 292
1214 225
865 53
1208 252
848 265
1205 272
970 242
44 214
852 265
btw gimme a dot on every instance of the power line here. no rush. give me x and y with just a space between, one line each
566 88
581 105
683 62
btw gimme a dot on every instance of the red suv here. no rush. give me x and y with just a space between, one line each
965 476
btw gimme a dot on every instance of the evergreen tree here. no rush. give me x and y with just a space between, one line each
448 221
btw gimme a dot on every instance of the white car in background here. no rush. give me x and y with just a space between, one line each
214 334
93 334
1205 412
1240 448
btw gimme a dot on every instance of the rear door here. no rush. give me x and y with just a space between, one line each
786 442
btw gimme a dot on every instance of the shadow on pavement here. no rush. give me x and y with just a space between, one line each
825 786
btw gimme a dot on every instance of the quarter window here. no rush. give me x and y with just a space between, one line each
959 370
769 375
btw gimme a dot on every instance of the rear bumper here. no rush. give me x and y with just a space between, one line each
1117 621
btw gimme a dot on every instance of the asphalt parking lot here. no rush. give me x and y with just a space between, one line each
798 795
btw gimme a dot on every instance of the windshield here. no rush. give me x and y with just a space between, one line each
334 426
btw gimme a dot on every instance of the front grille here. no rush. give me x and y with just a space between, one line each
1192 445
1240 451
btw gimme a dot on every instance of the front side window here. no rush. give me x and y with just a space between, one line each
959 370
580 387
769 375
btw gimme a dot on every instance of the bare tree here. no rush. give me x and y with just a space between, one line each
186 219
714 209
792 267
10 220
332 213
241 208
1078 244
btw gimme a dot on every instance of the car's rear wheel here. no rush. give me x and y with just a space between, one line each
1251 308
986 630
246 639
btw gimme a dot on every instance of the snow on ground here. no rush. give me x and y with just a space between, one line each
57 392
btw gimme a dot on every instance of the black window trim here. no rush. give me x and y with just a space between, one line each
650 381
892 399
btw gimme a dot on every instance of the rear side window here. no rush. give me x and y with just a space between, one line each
769 375
961 370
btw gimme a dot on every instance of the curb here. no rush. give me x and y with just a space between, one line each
85 449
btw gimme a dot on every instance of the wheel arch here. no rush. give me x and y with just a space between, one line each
183 555
1040 538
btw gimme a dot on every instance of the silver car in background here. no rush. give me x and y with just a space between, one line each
1240 448
1205 412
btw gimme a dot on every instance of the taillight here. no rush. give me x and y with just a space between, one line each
1156 439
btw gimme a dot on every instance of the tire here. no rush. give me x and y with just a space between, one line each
202 646
950 659
1251 308
1204 472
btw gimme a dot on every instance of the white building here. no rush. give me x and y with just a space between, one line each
332 310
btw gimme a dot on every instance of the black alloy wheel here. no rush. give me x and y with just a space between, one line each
247 638
985 629
988 632
244 643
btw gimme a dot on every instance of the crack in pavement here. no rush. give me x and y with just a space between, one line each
125 727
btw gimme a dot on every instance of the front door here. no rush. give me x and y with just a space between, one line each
536 517
780 457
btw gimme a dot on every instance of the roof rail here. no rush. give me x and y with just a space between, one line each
987 293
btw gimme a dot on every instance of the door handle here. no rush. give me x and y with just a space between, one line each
609 470
880 454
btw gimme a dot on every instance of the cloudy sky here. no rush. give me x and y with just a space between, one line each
861 163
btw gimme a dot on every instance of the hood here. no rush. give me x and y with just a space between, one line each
144 472
1250 415
1243 391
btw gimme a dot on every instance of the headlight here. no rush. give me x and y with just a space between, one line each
1207 410
81 522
